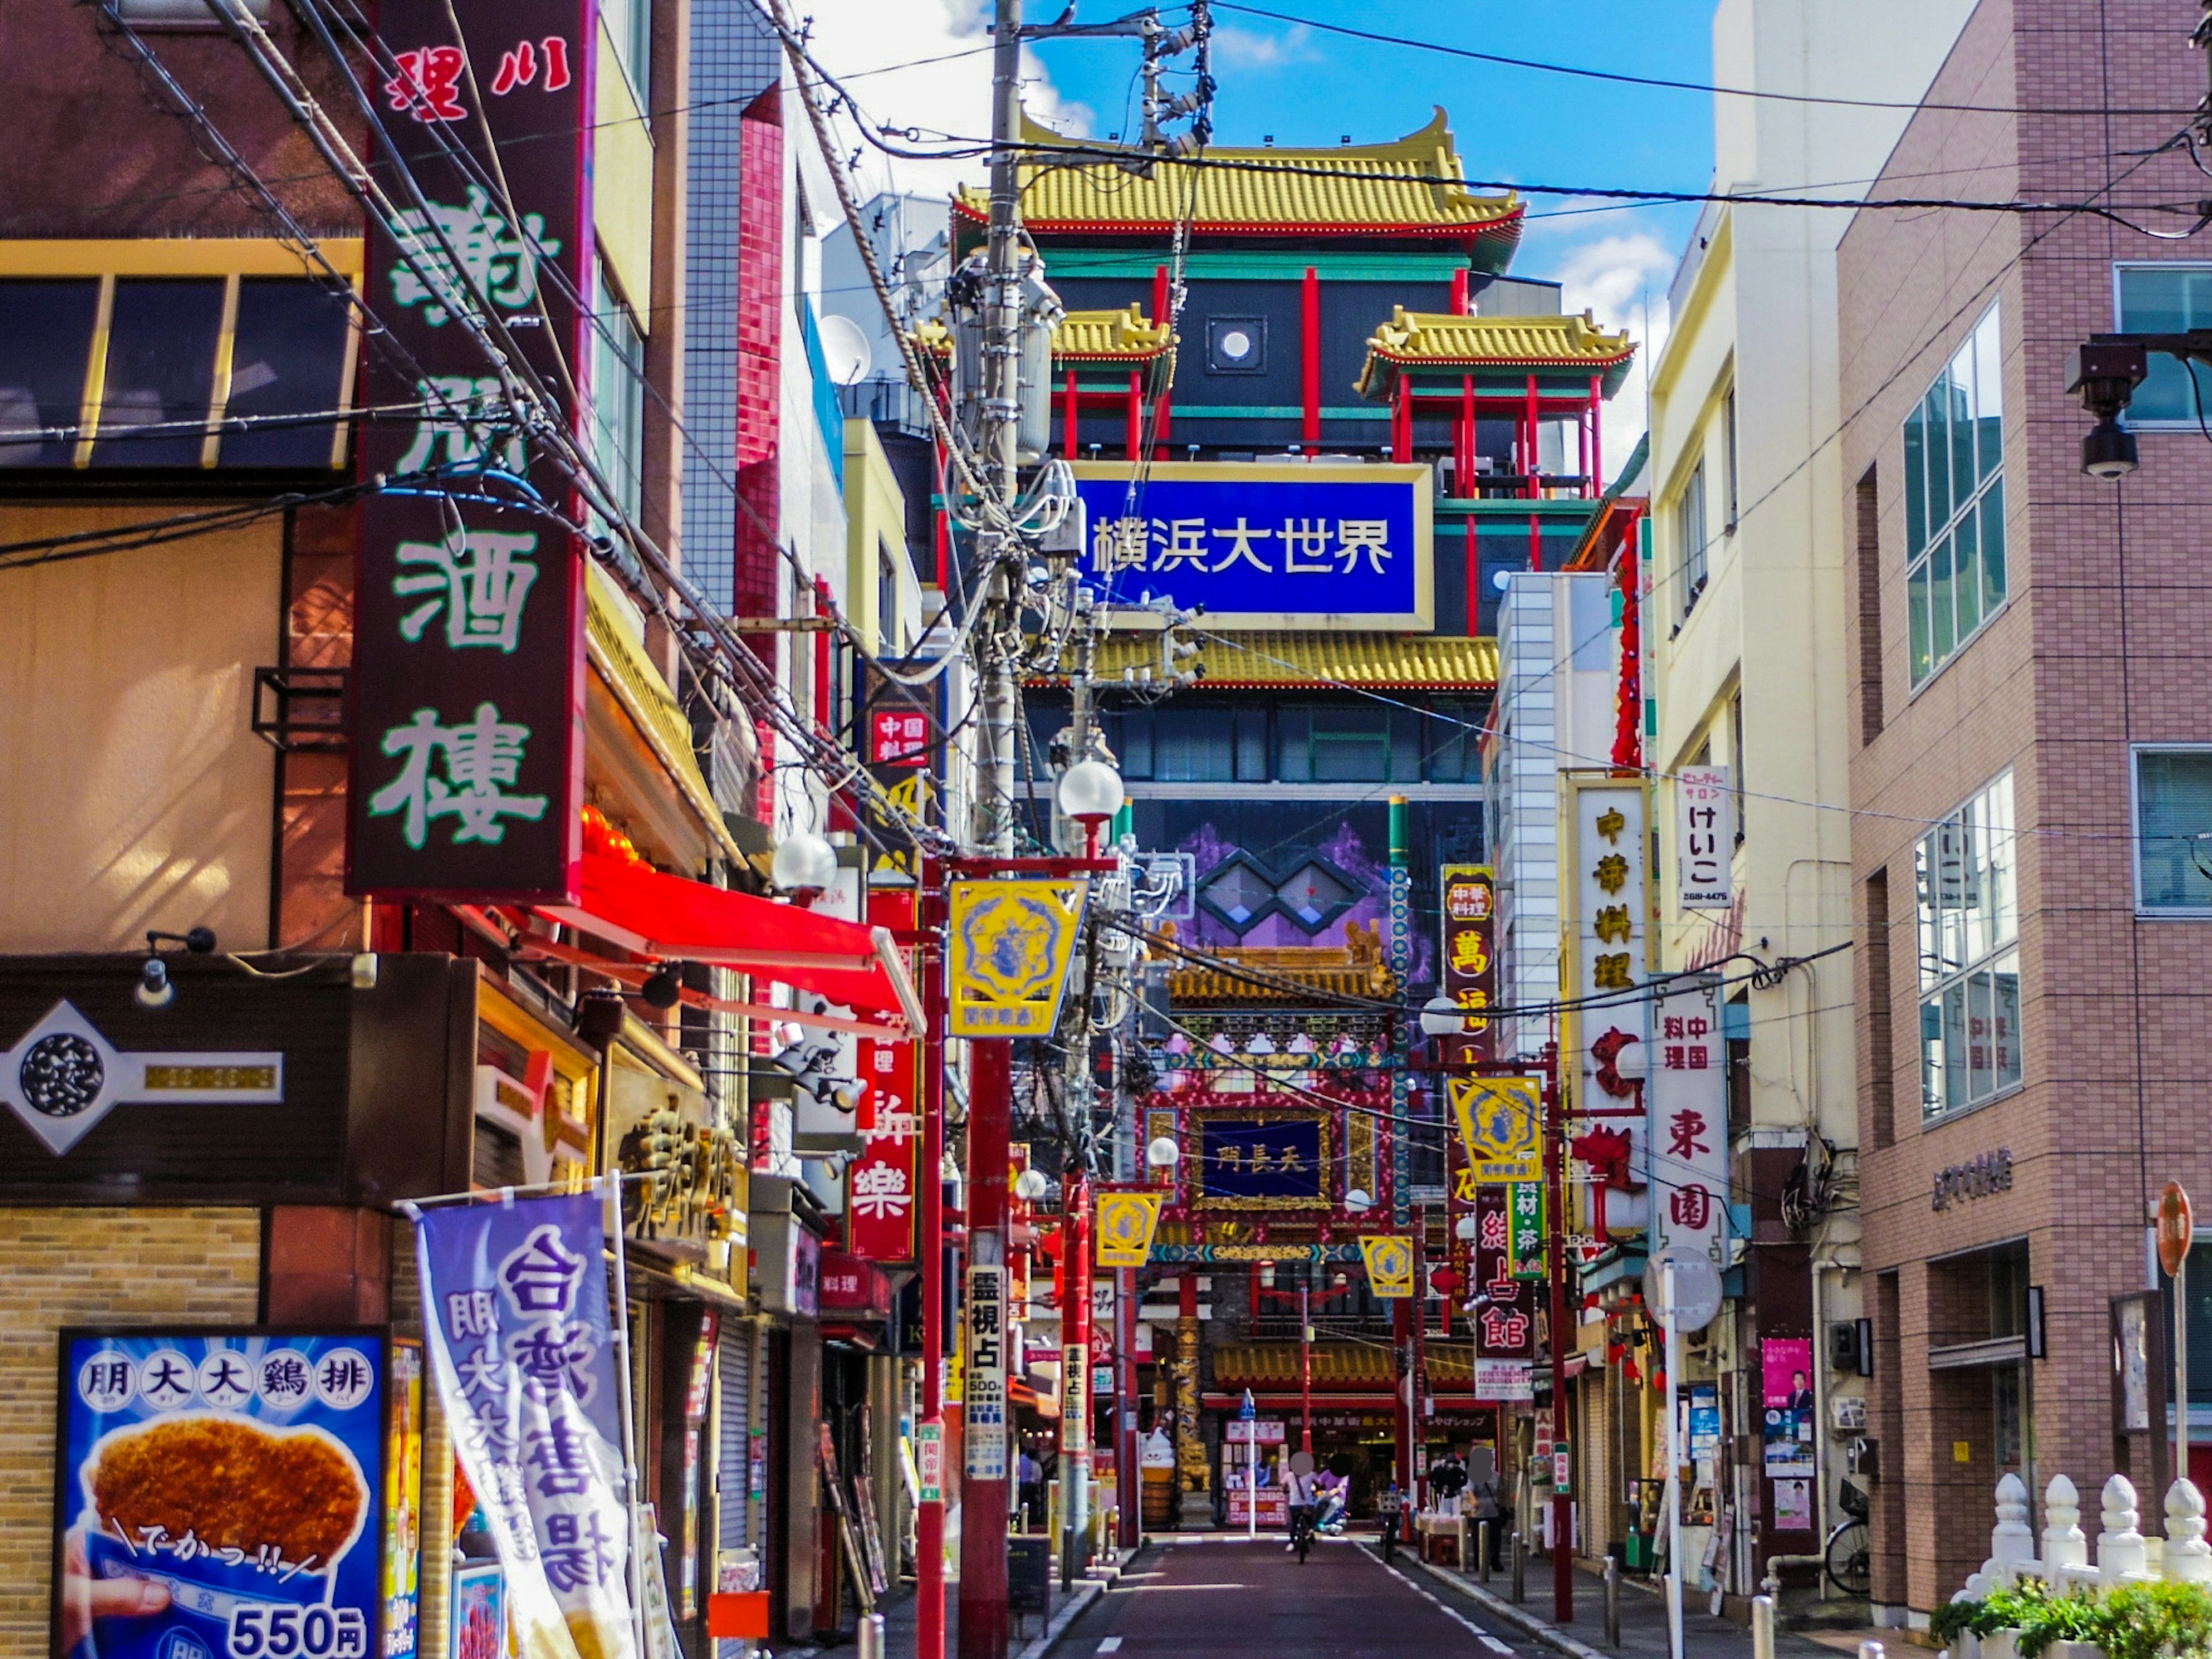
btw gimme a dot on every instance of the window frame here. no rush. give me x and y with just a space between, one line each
1957 515
1693 586
231 260
1934 988
2145 912
2129 418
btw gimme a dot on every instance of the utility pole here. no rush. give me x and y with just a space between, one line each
1563 1505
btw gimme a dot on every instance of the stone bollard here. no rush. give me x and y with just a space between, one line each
2063 1544
2188 1558
1762 1627
2119 1545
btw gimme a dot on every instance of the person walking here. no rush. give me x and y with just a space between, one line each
1300 1491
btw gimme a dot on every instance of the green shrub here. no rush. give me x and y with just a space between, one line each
2146 1621
1948 1621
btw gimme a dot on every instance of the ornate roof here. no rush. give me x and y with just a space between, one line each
1335 1365
1440 340
1108 336
1395 188
1424 662
1278 973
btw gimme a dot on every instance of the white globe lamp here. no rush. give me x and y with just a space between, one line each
1031 1186
1090 792
1442 1017
804 865
1163 1154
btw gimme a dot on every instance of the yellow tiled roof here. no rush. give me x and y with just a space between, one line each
1098 337
1371 661
1354 969
1350 189
1335 1365
1429 339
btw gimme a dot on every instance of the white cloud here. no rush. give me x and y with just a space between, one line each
885 47
1621 280
1249 48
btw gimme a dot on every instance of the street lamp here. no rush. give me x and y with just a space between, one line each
1090 792
1163 1154
2106 370
1442 1017
1031 1186
805 866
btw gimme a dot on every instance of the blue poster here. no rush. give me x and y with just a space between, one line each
1265 545
515 1300
219 1494
1261 1159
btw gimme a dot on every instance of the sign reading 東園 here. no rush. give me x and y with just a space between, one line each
1264 545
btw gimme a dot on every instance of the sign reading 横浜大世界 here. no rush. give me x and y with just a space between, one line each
1265 545
466 689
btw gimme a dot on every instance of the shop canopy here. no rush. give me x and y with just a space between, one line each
674 920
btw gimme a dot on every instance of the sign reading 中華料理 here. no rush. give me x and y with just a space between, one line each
241 1472
466 693
1265 545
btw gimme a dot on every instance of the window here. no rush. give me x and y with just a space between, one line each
618 398
2165 298
1690 536
1969 931
1955 548
217 369
1193 744
629 26
2174 831
1728 436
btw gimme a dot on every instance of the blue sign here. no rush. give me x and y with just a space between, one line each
1261 1159
514 1299
219 1494
1247 1412
1264 544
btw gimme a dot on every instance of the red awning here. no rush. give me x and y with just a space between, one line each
675 920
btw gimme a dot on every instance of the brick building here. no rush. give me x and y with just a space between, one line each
2031 744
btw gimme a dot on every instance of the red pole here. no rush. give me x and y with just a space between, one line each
1535 455
1402 439
1563 1509
1136 415
1463 444
1128 1477
1596 433
1075 1379
1068 445
983 1621
1311 316
1459 292
1420 1375
1305 1365
929 1521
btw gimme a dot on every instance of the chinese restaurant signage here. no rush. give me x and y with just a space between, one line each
1470 955
1704 836
1007 954
1500 1126
1263 1159
238 1475
1265 545
1125 1226
881 1193
1505 1316
1687 1133
1389 1262
985 1374
515 1303
467 688
1603 971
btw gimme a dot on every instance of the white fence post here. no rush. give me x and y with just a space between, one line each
2188 1556
2119 1545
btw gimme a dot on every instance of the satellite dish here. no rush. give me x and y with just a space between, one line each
846 348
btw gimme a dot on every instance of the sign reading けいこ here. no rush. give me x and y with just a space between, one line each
1265 545
237 1477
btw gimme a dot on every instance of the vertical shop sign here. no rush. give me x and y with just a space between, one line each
467 683
515 1303
1688 1128
1470 956
985 1430
403 1502
1704 837
239 1474
883 1179
1505 1309
1607 843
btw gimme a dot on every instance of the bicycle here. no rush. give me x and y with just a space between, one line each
1848 1555
1302 1530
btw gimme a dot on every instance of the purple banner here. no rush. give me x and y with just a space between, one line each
514 1299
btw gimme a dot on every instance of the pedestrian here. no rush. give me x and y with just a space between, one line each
1029 1479
1298 1490
1390 1506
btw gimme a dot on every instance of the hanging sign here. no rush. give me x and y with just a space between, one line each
1124 1224
1469 970
1500 1123
467 688
1007 952
523 1357
929 1460
1389 1266
1704 837
1505 1303
985 1428
1687 1095
882 1184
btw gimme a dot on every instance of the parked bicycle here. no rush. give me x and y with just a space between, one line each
1848 1555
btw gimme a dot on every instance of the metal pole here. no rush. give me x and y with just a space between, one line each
872 1636
1563 1508
2181 1361
1612 1600
1128 1478
1252 1479
1520 1568
1416 1430
1673 1463
929 1519
1075 1381
1305 1364
1482 1549
633 1488
1762 1627
983 1621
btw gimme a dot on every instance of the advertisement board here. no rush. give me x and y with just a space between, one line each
221 1492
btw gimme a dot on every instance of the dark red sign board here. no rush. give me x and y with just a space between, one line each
882 1194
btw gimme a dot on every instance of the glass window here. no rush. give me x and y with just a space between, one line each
2173 830
1351 745
161 371
1690 536
1969 931
1194 746
618 400
1251 746
629 26
1131 733
1954 539
288 360
2167 298
46 340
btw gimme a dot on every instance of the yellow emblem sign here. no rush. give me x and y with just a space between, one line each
1389 1266
1007 952
1125 1220
1501 1126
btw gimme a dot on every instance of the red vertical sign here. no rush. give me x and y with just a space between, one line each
1468 972
882 1194
1504 1319
467 685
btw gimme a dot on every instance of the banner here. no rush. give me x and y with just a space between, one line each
234 1478
881 1185
1007 952
1389 1266
1704 837
515 1303
1469 971
1505 1316
1501 1125
1124 1236
1687 1096
985 1429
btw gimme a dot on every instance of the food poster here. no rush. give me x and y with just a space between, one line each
479 1620
522 1353
1786 1386
218 1495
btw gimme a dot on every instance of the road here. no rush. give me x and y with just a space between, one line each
1232 1600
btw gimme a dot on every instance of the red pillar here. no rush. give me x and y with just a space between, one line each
1531 458
1310 339
1306 1362
1400 1341
1128 1477
1068 450
1474 580
1417 1417
1136 414
1402 446
1459 292
1075 1414
1596 431
929 1520
1563 1509
1463 442
1159 318
983 1621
